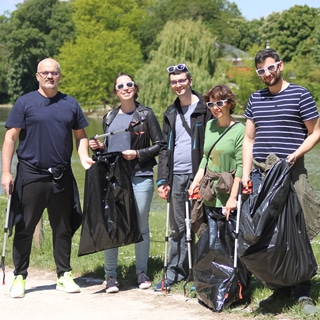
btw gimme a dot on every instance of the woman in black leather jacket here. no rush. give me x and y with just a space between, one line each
140 144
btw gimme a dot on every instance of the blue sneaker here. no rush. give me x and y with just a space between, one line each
163 286
307 306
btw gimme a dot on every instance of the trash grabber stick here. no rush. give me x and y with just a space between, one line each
239 202
108 134
189 241
5 235
165 267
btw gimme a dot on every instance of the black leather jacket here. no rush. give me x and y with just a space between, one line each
144 129
199 119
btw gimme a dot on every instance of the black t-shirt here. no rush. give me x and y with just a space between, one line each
47 123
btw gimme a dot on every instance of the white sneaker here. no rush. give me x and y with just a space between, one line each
112 285
66 283
143 281
18 287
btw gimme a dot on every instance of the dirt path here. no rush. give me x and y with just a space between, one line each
42 301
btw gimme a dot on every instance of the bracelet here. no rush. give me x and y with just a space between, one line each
137 154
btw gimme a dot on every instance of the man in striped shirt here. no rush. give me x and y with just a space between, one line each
282 119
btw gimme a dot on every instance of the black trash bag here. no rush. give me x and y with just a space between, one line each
110 217
273 241
218 284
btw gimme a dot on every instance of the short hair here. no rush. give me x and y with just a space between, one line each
263 54
221 92
185 70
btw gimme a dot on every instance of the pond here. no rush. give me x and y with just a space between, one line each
95 127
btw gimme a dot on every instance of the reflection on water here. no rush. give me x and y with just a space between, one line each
95 127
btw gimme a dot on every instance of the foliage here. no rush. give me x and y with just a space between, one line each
4 61
289 31
215 14
97 39
105 45
90 64
191 43
35 30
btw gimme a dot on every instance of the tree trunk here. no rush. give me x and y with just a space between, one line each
38 235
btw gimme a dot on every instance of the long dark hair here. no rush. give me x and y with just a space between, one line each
128 75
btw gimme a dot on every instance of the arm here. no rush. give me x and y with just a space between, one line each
247 150
313 138
163 166
155 136
8 148
82 146
196 181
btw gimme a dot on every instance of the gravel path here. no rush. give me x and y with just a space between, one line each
43 302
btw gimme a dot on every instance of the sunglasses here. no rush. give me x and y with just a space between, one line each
271 68
124 85
179 67
180 81
219 103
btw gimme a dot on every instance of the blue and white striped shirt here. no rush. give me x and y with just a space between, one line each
279 120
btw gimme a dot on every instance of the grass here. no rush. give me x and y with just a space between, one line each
92 265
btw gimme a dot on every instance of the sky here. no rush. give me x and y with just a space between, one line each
250 9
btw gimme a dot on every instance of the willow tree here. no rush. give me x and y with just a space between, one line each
184 41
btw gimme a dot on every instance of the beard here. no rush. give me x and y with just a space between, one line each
270 82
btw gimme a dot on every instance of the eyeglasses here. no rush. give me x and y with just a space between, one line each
180 81
124 85
219 103
271 68
46 73
179 67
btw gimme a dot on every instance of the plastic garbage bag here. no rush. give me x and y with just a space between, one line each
109 212
218 284
273 242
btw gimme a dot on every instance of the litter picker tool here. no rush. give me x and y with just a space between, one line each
5 234
236 243
108 134
164 285
188 240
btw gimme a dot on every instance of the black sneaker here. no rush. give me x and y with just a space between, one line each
279 294
112 285
143 281
307 306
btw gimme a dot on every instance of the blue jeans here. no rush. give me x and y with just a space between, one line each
143 188
178 246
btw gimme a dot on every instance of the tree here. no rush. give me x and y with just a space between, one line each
288 31
36 30
105 44
191 43
4 61
213 13
90 64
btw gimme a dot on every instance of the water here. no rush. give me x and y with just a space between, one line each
95 127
